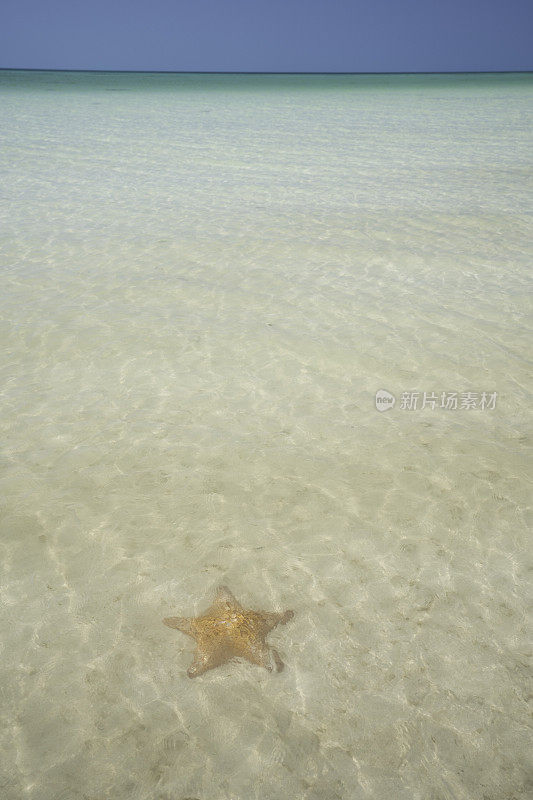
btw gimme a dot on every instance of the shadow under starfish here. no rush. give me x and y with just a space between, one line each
227 630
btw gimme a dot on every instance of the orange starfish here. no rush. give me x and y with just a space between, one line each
227 630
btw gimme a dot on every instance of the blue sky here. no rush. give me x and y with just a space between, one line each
268 35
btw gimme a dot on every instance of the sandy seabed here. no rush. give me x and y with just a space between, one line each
204 282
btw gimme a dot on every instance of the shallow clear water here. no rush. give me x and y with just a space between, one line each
205 280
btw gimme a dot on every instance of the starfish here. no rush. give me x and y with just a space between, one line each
227 630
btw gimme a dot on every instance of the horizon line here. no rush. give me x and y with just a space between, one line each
266 72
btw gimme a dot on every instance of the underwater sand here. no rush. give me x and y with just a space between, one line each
204 282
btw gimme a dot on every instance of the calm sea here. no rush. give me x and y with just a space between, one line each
205 280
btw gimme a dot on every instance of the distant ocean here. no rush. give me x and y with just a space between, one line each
270 331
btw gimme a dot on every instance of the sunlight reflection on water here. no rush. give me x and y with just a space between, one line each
198 311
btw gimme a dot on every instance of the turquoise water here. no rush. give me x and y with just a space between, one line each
205 281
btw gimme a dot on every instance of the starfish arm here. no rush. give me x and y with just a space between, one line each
181 623
271 619
204 661
260 655
223 596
